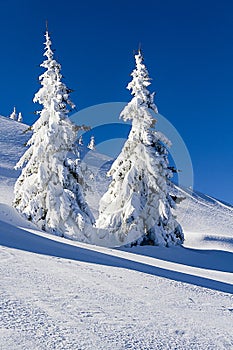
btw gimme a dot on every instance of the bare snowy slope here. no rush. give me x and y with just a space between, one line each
208 222
59 294
12 139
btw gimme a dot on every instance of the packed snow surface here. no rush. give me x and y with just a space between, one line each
60 294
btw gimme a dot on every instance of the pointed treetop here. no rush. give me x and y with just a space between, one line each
140 81
139 48
48 43
46 24
53 91
143 100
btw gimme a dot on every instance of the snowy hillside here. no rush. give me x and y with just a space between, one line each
12 140
59 294
208 222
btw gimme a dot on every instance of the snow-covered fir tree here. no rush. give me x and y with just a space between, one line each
137 205
48 191
91 144
20 117
80 141
14 115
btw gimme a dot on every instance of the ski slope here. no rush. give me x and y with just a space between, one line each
59 294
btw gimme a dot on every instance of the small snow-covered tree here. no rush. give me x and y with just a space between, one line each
14 115
137 205
20 117
48 191
80 141
91 144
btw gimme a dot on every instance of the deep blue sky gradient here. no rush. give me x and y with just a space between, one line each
188 48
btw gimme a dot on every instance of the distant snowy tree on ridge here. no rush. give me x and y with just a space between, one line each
20 117
14 115
48 191
80 141
137 205
91 144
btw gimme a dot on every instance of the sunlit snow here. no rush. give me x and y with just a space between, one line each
60 294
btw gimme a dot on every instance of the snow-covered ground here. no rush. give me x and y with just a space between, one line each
59 294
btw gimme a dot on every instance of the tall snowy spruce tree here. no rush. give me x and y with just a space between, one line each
48 191
137 205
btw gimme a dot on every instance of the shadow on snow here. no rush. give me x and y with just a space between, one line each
218 260
17 238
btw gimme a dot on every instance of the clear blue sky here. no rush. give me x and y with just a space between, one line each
188 48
